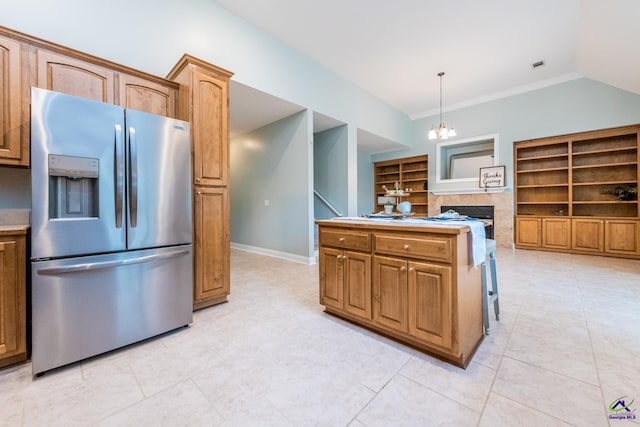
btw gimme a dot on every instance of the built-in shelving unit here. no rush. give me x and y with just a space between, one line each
412 173
564 184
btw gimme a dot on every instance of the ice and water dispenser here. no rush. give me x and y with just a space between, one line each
73 187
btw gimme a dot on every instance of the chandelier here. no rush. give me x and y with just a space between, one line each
441 131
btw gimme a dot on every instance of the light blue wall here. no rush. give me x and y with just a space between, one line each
330 170
15 188
365 184
273 163
574 106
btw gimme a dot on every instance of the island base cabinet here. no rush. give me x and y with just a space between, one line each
430 303
429 298
390 292
345 281
414 298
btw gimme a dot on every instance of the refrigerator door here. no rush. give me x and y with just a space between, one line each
85 306
159 180
77 176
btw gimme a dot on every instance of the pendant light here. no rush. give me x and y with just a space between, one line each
441 131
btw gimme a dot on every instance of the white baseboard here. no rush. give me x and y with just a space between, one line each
276 254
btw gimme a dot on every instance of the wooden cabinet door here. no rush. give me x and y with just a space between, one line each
331 278
430 303
144 95
72 76
390 293
14 122
622 237
556 233
211 243
13 333
357 283
210 129
587 235
528 232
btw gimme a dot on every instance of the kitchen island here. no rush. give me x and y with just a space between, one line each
411 280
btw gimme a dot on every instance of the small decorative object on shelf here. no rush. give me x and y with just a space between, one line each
623 192
388 207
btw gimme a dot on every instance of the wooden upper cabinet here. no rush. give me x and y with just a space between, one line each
14 120
72 76
144 95
206 98
211 133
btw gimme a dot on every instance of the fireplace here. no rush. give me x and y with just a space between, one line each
481 212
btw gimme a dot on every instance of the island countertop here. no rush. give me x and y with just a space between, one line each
404 224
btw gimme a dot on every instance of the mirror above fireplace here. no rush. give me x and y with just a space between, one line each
460 161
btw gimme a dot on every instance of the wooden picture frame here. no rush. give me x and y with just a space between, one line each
492 177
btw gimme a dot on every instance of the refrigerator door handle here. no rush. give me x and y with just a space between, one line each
74 268
133 177
119 176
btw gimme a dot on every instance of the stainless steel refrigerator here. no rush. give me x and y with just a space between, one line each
111 256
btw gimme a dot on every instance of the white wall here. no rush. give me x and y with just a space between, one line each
273 163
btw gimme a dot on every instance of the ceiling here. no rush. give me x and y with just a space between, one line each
395 49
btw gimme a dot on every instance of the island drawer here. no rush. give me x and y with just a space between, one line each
346 239
428 247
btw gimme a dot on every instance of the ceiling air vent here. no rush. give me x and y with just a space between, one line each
537 64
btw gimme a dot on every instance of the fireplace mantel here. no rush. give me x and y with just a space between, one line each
469 191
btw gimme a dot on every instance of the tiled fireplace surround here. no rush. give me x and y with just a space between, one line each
503 210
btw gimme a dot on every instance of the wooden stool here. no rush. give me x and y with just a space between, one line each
490 295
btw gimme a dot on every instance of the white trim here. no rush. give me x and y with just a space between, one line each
501 94
469 191
276 254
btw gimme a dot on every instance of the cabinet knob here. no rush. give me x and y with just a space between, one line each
341 239
339 257
345 257
403 268
406 247
199 193
197 179
412 269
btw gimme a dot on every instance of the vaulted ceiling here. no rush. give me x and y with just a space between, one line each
394 49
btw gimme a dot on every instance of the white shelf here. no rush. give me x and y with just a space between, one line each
469 191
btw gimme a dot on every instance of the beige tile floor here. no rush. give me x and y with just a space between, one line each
567 345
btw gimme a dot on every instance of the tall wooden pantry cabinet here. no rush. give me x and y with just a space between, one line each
204 102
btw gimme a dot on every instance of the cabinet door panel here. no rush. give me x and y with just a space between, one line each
211 241
12 300
144 95
357 298
390 293
528 232
622 237
587 235
430 303
11 102
210 129
75 77
331 278
556 233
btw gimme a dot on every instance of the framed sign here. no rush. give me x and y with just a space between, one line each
492 177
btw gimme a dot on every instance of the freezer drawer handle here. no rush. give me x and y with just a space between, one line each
109 264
